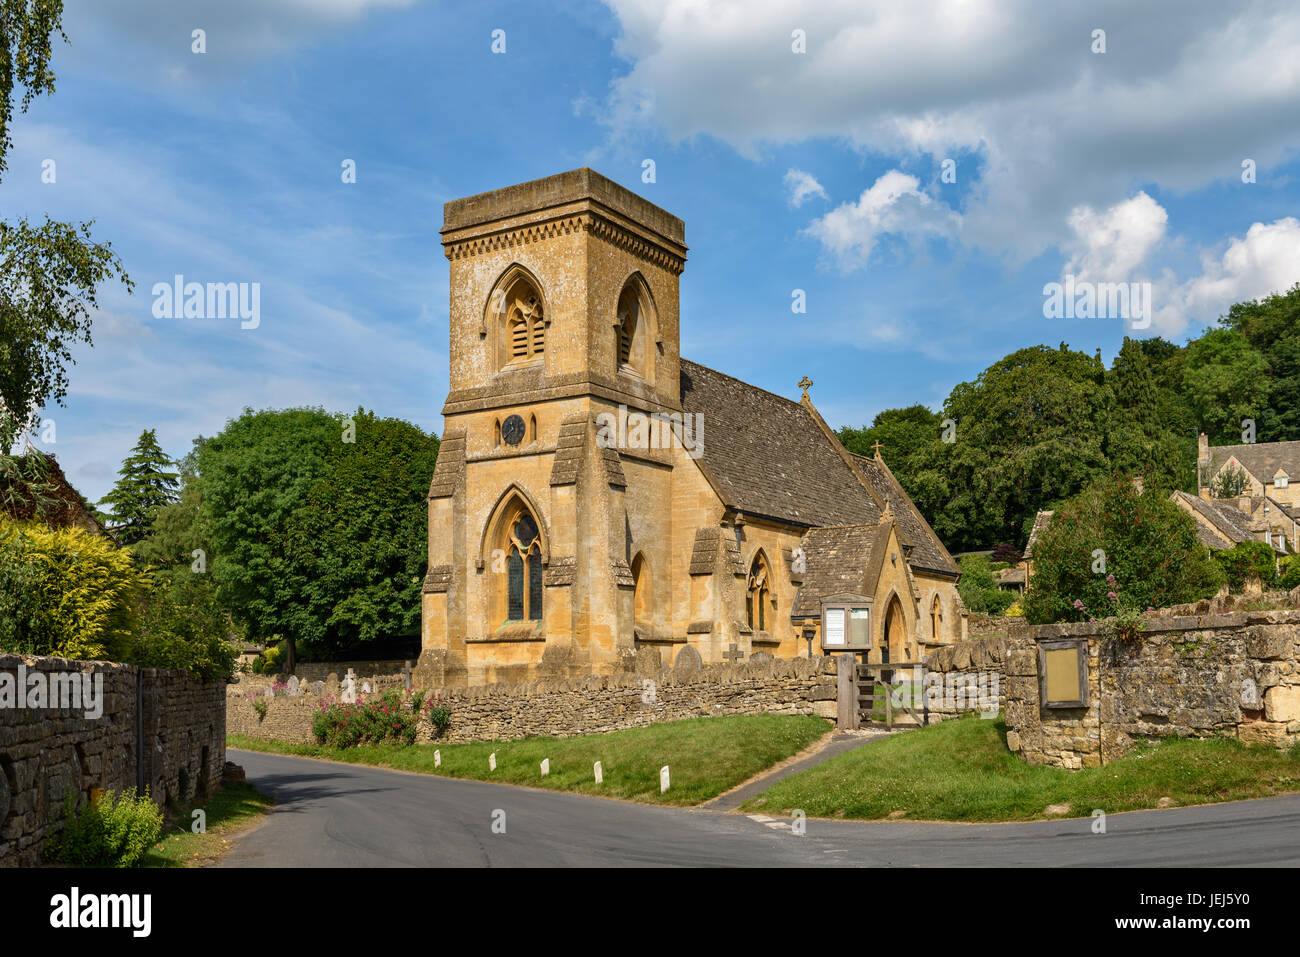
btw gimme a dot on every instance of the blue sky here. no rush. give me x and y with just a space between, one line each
817 171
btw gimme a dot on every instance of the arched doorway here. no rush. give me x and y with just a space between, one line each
894 641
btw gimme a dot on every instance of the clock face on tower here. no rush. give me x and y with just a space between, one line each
512 430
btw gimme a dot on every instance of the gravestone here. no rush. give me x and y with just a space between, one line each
318 688
365 687
761 656
332 684
688 662
348 689
406 676
270 692
293 686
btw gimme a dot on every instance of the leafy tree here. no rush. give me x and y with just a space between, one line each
176 533
1006 552
911 444
1151 432
48 274
1112 549
146 484
314 539
1030 432
1272 326
26 30
1229 483
1224 380
364 523
182 625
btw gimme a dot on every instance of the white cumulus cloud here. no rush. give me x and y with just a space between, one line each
1264 261
894 204
1109 245
802 186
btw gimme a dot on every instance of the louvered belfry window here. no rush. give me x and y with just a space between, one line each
525 322
629 315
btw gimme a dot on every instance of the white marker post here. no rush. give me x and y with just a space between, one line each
492 761
663 779
546 766
600 775
437 759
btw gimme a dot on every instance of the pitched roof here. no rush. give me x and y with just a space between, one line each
1232 523
67 507
1261 459
927 551
1041 522
769 457
838 559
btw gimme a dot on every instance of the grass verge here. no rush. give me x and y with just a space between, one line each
228 809
962 771
706 756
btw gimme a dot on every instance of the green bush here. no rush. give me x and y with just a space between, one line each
115 831
181 625
1290 573
1112 549
979 590
439 715
66 593
366 722
1247 560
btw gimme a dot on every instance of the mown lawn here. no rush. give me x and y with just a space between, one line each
706 756
228 809
962 771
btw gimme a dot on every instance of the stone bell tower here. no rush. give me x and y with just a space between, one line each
564 304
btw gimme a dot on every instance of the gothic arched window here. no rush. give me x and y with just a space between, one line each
758 593
516 308
523 548
633 328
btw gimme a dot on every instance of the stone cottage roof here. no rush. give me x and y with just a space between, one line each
1232 523
839 559
1262 460
927 551
1041 522
67 509
767 456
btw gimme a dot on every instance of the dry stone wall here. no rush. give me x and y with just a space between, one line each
569 707
1227 674
966 676
50 753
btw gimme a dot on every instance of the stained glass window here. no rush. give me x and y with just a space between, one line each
515 587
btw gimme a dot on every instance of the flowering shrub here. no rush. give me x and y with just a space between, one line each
374 721
1126 613
439 714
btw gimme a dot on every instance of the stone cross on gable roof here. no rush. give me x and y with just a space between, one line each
805 383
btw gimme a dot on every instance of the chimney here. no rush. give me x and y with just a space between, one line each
1203 466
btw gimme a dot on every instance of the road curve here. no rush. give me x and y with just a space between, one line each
339 815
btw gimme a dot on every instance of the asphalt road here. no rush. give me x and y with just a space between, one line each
336 815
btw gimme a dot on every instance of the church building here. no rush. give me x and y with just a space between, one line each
596 495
